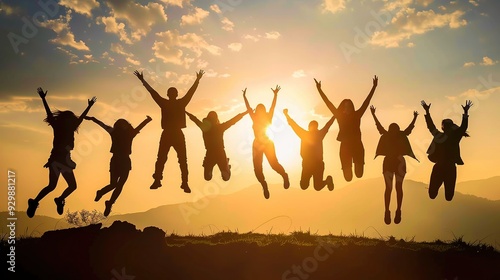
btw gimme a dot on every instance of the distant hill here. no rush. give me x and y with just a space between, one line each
355 209
34 227
487 188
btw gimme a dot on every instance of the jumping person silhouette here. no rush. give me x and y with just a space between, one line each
122 133
349 119
444 151
262 145
64 124
213 138
311 150
394 145
173 120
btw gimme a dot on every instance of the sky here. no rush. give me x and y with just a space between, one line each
443 52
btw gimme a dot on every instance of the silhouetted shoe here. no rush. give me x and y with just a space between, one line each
286 181
397 218
329 183
98 195
185 187
32 205
107 210
156 184
265 189
60 205
387 217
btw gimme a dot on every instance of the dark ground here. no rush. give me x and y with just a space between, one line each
122 252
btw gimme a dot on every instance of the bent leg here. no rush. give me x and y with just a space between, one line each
270 152
69 176
53 178
450 179
119 186
435 181
359 159
162 156
346 161
318 171
180 149
305 176
258 155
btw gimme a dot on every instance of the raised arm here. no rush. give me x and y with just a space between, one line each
42 94
380 128
193 88
195 120
465 117
234 120
84 114
295 127
247 105
329 104
275 98
428 119
410 127
365 104
106 127
328 124
142 124
156 97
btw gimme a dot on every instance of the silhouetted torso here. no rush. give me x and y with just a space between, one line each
260 124
445 146
311 146
349 126
122 142
173 114
64 136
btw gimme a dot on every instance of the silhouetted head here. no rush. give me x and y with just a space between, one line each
213 117
63 118
393 128
172 93
346 106
122 125
260 109
448 126
313 126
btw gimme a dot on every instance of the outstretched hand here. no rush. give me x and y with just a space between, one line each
139 75
148 118
41 92
318 84
276 90
415 114
244 92
285 111
199 74
372 109
375 81
425 106
92 101
467 106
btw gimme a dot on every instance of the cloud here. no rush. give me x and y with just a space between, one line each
410 45
111 26
469 64
64 35
227 24
133 61
216 9
488 61
235 47
9 10
474 3
83 7
251 37
140 18
191 41
178 3
475 94
333 6
196 18
424 3
273 35
485 62
105 55
408 23
299 74
118 48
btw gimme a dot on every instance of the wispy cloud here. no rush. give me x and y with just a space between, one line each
333 6
64 36
235 47
83 7
196 17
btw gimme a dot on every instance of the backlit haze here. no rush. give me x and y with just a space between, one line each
443 52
